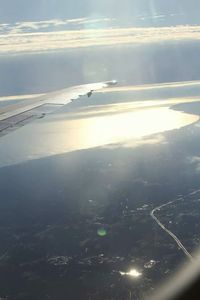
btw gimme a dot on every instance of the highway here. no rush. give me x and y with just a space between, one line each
175 238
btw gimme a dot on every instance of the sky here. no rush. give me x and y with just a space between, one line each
48 44
22 10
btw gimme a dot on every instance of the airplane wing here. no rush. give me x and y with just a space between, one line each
17 115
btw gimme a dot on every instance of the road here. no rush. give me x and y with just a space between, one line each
175 238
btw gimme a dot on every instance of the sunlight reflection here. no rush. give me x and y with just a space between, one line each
129 125
117 125
132 273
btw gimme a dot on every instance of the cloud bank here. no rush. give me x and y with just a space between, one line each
53 35
54 25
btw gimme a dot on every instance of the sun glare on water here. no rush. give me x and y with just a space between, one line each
119 127
124 124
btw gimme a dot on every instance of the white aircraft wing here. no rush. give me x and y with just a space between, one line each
17 115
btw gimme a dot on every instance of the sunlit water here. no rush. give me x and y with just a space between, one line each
88 128
121 127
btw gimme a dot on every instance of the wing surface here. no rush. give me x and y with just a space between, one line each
17 115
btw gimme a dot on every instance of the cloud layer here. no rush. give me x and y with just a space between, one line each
55 25
54 35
